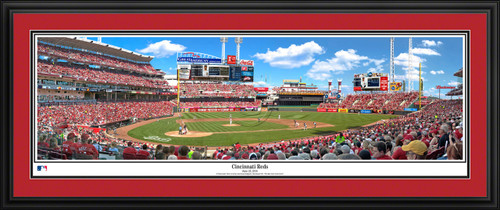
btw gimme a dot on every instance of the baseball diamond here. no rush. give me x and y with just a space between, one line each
99 101
270 129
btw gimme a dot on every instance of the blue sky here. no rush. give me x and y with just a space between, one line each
315 59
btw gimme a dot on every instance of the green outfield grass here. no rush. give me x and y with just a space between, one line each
341 121
216 126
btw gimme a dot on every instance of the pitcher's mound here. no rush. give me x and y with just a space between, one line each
231 125
190 134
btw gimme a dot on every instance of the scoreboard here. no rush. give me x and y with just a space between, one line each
371 82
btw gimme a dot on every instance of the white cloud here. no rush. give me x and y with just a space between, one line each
413 74
163 49
431 92
292 57
424 51
344 60
431 43
377 69
437 72
402 60
454 83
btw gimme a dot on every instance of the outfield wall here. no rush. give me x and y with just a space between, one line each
363 111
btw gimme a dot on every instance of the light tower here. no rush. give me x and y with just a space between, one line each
392 73
223 40
330 87
238 41
340 85
410 67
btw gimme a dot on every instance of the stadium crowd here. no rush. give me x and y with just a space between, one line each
92 58
375 101
100 76
101 112
190 90
435 132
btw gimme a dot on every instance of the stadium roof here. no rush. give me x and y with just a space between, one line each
95 46
459 73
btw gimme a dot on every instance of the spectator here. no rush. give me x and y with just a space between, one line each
399 154
114 149
365 155
415 150
282 156
329 156
129 152
143 153
357 148
296 158
97 146
345 149
379 151
443 132
158 150
340 139
349 157
53 145
454 151
196 156
42 142
67 147
305 156
87 151
183 152
389 148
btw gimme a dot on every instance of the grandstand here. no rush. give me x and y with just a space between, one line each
457 91
395 101
81 82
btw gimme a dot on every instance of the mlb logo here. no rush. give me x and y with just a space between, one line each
40 168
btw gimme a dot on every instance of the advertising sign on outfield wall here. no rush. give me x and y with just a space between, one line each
332 110
214 109
321 110
365 111
344 110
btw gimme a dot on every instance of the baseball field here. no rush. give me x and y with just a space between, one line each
215 128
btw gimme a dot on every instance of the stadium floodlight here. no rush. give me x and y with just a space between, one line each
410 66
238 41
223 40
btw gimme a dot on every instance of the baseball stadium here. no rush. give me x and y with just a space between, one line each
96 101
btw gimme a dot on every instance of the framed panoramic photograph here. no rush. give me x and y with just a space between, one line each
264 104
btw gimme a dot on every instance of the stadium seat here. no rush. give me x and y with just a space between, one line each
435 154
